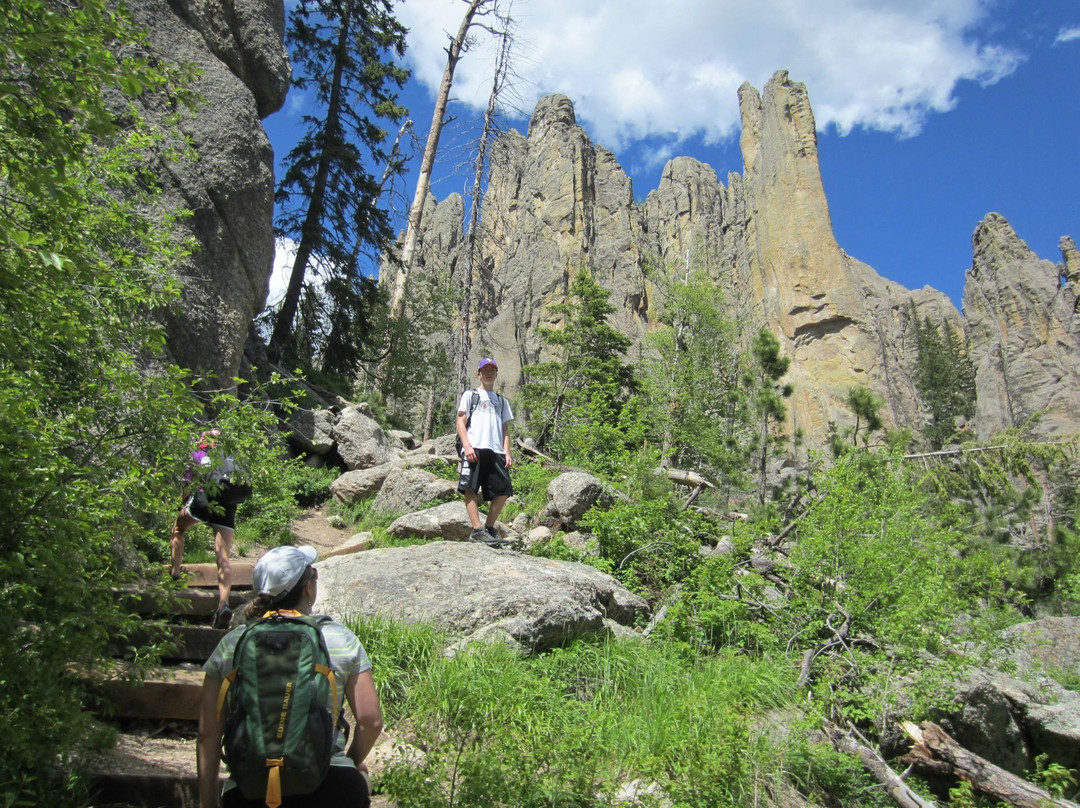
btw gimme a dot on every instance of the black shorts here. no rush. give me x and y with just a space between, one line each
487 474
206 509
344 787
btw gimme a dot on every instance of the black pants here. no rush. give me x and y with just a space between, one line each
344 787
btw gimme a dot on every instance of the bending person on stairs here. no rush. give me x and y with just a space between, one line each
213 502
483 427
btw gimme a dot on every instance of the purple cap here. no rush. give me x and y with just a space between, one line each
485 362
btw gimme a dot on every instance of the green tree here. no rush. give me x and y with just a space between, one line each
329 193
768 398
945 379
865 404
92 438
580 394
702 412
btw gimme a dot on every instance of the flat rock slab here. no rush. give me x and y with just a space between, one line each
471 590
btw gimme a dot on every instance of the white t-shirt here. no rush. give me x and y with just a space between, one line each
491 412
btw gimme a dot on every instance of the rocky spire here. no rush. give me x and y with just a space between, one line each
1024 330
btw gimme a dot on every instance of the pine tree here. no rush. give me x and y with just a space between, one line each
701 411
769 395
328 197
944 377
587 378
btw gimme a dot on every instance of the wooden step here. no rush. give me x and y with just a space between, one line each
185 642
191 602
146 790
206 574
169 693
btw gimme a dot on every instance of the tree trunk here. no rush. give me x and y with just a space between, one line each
897 789
309 238
423 181
936 751
471 236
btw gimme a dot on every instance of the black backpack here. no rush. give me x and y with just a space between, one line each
279 734
226 483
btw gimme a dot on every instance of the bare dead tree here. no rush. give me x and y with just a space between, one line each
480 162
459 44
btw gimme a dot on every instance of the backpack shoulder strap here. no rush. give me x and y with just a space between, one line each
474 400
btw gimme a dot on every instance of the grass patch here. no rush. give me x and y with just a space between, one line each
567 728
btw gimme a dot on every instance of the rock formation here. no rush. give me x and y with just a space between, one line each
1024 328
237 46
557 203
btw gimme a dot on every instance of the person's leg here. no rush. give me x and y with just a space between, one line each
497 488
223 537
494 509
176 540
472 507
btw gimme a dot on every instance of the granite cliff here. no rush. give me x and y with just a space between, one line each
557 202
243 76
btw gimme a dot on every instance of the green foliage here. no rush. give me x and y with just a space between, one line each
1053 777
866 406
715 607
945 379
92 421
401 654
343 53
1016 500
567 727
574 402
699 384
650 545
768 402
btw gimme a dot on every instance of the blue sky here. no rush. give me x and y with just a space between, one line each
930 113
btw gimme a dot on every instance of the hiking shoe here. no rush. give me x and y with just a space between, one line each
495 540
480 536
222 617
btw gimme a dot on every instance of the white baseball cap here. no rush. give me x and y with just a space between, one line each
279 570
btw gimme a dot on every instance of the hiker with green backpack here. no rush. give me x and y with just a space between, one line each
483 433
273 700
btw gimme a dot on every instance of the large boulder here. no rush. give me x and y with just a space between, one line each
1010 721
242 76
449 521
572 494
406 490
475 592
312 431
353 486
360 440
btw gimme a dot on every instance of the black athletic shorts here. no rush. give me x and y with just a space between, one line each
487 474
209 510
344 787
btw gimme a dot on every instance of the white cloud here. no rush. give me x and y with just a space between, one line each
642 68
284 254
1069 34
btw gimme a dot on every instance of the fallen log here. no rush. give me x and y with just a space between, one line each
896 788
691 479
933 747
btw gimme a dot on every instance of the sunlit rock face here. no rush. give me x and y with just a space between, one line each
1024 328
557 203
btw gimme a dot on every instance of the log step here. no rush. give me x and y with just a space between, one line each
192 602
206 574
146 790
169 693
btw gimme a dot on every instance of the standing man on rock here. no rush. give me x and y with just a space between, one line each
483 428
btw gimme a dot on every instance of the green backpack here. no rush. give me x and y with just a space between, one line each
279 734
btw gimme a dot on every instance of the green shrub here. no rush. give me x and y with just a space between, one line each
650 544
